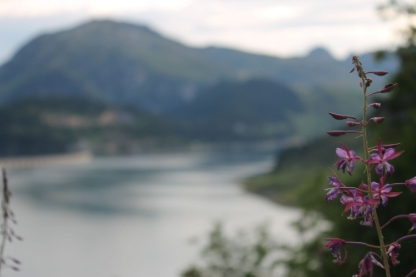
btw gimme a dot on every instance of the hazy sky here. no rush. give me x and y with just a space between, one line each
277 27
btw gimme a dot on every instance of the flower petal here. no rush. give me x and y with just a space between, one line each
341 153
392 156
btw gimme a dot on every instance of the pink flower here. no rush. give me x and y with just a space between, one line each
382 191
366 265
393 249
348 159
335 245
359 205
381 159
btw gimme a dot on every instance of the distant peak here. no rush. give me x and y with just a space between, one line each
110 23
320 52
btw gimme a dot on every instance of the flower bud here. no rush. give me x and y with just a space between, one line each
377 119
338 116
336 133
412 218
411 184
388 88
368 82
375 105
378 72
352 123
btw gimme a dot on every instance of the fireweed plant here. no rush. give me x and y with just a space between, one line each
6 232
363 200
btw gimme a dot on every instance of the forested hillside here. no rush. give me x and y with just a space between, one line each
207 95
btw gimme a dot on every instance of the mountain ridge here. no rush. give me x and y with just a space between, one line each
124 62
121 64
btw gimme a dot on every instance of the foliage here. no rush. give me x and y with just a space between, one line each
243 255
255 109
42 126
401 10
400 125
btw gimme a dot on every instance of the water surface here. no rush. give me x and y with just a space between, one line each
134 216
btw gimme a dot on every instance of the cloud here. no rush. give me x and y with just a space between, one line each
278 27
27 8
279 12
39 8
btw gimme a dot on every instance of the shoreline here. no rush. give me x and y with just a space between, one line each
23 162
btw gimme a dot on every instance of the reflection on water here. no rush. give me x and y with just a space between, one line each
133 216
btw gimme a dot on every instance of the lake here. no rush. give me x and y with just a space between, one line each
135 216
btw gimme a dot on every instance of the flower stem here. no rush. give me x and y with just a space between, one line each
4 212
362 243
368 171
406 237
393 219
411 273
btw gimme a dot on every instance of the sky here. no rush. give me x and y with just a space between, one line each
283 28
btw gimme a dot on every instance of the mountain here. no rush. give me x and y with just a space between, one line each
209 94
254 109
108 61
123 63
